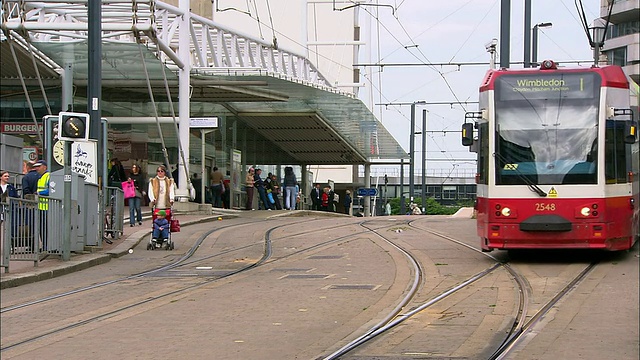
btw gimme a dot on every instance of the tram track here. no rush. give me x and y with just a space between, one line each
145 299
516 336
396 317
519 328
184 260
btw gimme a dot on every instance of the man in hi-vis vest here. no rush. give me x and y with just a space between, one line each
43 199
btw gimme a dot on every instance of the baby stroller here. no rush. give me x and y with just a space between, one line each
159 239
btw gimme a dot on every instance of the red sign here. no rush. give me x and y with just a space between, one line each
20 128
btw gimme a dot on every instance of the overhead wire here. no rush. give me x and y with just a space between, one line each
473 31
275 39
442 75
427 63
156 115
255 7
10 39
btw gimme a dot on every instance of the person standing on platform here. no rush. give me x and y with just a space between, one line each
291 192
135 210
43 200
7 190
316 198
30 182
262 192
332 200
249 188
29 192
226 195
274 186
387 208
347 202
217 182
116 174
324 200
161 190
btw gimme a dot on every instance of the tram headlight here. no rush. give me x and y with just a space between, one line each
506 211
585 211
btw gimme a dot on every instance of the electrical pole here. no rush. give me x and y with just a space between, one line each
505 33
94 96
527 33
424 160
412 146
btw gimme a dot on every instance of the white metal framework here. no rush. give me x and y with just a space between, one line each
213 48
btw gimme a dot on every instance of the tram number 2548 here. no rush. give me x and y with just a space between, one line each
545 207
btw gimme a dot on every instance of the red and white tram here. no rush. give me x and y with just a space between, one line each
558 159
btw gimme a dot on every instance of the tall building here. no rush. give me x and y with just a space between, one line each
622 43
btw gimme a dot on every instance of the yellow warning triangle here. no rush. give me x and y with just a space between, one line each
552 192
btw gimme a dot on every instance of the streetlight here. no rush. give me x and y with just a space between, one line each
598 29
491 49
534 55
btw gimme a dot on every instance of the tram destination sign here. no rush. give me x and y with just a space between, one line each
552 85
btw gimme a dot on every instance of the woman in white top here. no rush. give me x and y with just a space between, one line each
161 190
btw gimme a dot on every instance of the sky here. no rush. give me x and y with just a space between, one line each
433 32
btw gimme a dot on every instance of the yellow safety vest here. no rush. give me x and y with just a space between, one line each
43 184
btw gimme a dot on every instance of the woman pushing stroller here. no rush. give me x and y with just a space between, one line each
161 191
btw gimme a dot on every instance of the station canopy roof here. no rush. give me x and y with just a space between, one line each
284 121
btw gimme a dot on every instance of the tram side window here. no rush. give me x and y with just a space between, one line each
615 163
483 153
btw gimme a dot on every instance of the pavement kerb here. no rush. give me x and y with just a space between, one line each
77 263
85 261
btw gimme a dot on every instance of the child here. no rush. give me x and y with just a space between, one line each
161 226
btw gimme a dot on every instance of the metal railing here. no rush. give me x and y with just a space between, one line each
30 229
114 213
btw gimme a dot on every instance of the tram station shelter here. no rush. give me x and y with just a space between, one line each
166 70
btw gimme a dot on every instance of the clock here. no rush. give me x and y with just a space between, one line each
58 152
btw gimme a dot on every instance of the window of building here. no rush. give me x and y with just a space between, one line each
617 56
622 29
449 192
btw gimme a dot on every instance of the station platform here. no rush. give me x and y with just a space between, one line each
24 272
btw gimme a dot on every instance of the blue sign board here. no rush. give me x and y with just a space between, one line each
367 192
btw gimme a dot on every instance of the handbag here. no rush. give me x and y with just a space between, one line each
270 197
129 189
175 225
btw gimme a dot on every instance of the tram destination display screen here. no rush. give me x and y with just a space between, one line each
553 85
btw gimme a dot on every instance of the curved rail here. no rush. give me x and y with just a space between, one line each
392 319
267 253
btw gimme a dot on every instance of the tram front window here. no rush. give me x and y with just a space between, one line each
545 136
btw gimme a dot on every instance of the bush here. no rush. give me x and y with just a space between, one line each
432 207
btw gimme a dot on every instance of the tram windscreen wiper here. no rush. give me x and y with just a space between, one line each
530 184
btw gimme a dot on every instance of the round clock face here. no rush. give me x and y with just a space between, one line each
58 152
